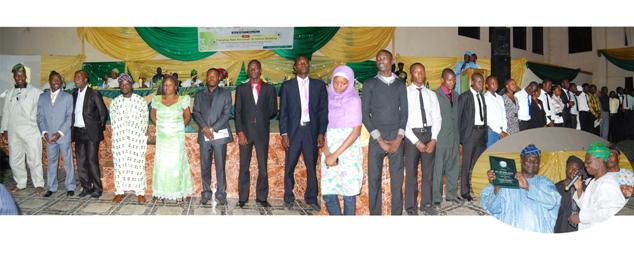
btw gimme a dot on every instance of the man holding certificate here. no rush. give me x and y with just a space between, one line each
212 109
533 206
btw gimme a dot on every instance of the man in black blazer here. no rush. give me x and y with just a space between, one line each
89 121
212 109
256 104
472 127
303 122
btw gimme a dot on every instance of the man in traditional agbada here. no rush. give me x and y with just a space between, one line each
129 121
533 206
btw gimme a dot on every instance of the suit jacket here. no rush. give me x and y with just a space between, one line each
449 132
251 118
56 117
212 110
466 115
291 108
94 112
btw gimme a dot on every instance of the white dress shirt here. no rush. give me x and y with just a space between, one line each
414 116
496 113
523 99
191 83
79 108
614 105
254 90
477 120
545 98
572 97
583 102
628 100
303 86
601 200
556 107
112 83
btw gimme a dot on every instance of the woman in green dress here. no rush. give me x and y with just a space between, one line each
171 178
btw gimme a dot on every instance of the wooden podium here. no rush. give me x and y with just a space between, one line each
465 78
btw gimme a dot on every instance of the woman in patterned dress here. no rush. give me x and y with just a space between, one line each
511 107
171 178
342 160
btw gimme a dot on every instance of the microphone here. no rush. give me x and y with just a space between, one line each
574 179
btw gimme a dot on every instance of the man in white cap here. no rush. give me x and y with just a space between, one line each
20 131
112 80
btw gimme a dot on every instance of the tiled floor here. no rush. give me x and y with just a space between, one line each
29 203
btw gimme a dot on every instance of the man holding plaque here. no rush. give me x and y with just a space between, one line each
533 206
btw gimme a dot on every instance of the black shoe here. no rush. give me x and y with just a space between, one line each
437 204
48 194
430 210
264 203
221 201
83 193
289 205
412 212
204 200
96 194
315 206
70 193
467 197
241 204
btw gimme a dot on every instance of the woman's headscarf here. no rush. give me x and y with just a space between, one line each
344 110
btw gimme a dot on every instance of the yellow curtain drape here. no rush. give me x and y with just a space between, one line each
117 42
147 68
65 65
517 67
553 166
356 44
621 53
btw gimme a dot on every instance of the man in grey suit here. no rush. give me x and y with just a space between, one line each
212 108
446 161
54 118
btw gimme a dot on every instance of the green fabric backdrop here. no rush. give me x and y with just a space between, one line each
623 64
552 73
364 70
96 70
178 43
307 40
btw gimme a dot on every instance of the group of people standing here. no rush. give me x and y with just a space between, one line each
411 125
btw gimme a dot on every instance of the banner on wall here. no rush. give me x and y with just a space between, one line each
244 38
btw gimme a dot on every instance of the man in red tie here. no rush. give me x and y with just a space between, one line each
256 104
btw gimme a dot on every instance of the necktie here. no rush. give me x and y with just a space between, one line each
548 102
422 106
480 107
576 103
626 100
53 97
450 96
529 105
305 104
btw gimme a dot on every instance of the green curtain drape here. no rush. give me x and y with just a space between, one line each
178 43
552 73
242 76
96 70
307 40
364 70
621 63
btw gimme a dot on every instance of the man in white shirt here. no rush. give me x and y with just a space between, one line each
586 120
423 125
574 106
628 109
193 81
523 99
544 96
20 131
495 111
602 197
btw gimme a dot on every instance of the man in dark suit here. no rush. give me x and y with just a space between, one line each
303 122
89 120
212 109
472 127
256 104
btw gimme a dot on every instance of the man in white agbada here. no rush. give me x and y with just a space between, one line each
129 121
602 197
20 131
193 81
113 80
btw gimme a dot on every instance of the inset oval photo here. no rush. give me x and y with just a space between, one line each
553 180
